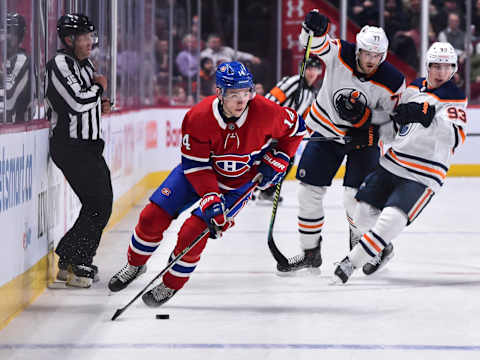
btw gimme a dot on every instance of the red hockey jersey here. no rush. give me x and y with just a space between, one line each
219 156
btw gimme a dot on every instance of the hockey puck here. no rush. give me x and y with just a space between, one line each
162 316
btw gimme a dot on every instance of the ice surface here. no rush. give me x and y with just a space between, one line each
423 305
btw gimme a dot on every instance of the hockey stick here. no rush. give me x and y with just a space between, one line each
277 255
306 55
244 197
328 138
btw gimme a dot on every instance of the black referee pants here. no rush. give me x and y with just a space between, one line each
87 173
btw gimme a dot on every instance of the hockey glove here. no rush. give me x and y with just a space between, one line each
319 24
316 22
212 206
352 107
362 138
413 112
272 169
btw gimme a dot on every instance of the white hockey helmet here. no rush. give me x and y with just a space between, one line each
442 53
372 38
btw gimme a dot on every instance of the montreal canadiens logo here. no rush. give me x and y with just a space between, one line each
231 165
166 191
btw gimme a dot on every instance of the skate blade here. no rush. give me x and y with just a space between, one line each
336 281
300 273
78 282
382 265
57 285
385 262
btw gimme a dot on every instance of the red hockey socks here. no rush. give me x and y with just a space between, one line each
148 234
179 274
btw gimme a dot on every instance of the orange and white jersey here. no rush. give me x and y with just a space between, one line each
424 154
381 90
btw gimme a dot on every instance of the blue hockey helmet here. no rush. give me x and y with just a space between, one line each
233 75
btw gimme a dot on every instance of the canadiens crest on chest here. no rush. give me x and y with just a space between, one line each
231 165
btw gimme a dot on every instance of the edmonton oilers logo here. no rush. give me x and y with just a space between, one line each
348 96
405 129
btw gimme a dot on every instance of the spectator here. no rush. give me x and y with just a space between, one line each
453 34
365 12
162 19
180 97
188 60
404 46
440 20
476 19
413 9
259 89
195 31
395 18
219 53
161 57
207 77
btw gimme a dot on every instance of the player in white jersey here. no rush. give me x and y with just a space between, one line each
286 93
431 122
359 91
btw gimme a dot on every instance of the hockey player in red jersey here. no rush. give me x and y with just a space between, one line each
430 124
226 144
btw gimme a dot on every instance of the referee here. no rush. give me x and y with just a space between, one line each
18 74
285 94
74 107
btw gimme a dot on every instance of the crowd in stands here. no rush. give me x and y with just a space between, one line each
194 61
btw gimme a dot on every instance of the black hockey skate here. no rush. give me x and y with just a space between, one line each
379 261
65 270
81 275
158 296
311 258
125 276
343 271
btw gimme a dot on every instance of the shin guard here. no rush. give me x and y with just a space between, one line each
310 214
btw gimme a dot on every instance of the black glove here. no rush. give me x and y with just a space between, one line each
316 22
362 138
352 107
413 112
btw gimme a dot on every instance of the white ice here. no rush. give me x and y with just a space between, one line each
424 305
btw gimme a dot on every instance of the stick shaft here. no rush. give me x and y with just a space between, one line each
327 138
182 253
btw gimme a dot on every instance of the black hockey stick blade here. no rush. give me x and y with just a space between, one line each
277 255
118 313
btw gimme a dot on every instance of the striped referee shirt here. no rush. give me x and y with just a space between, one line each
18 87
284 94
73 100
